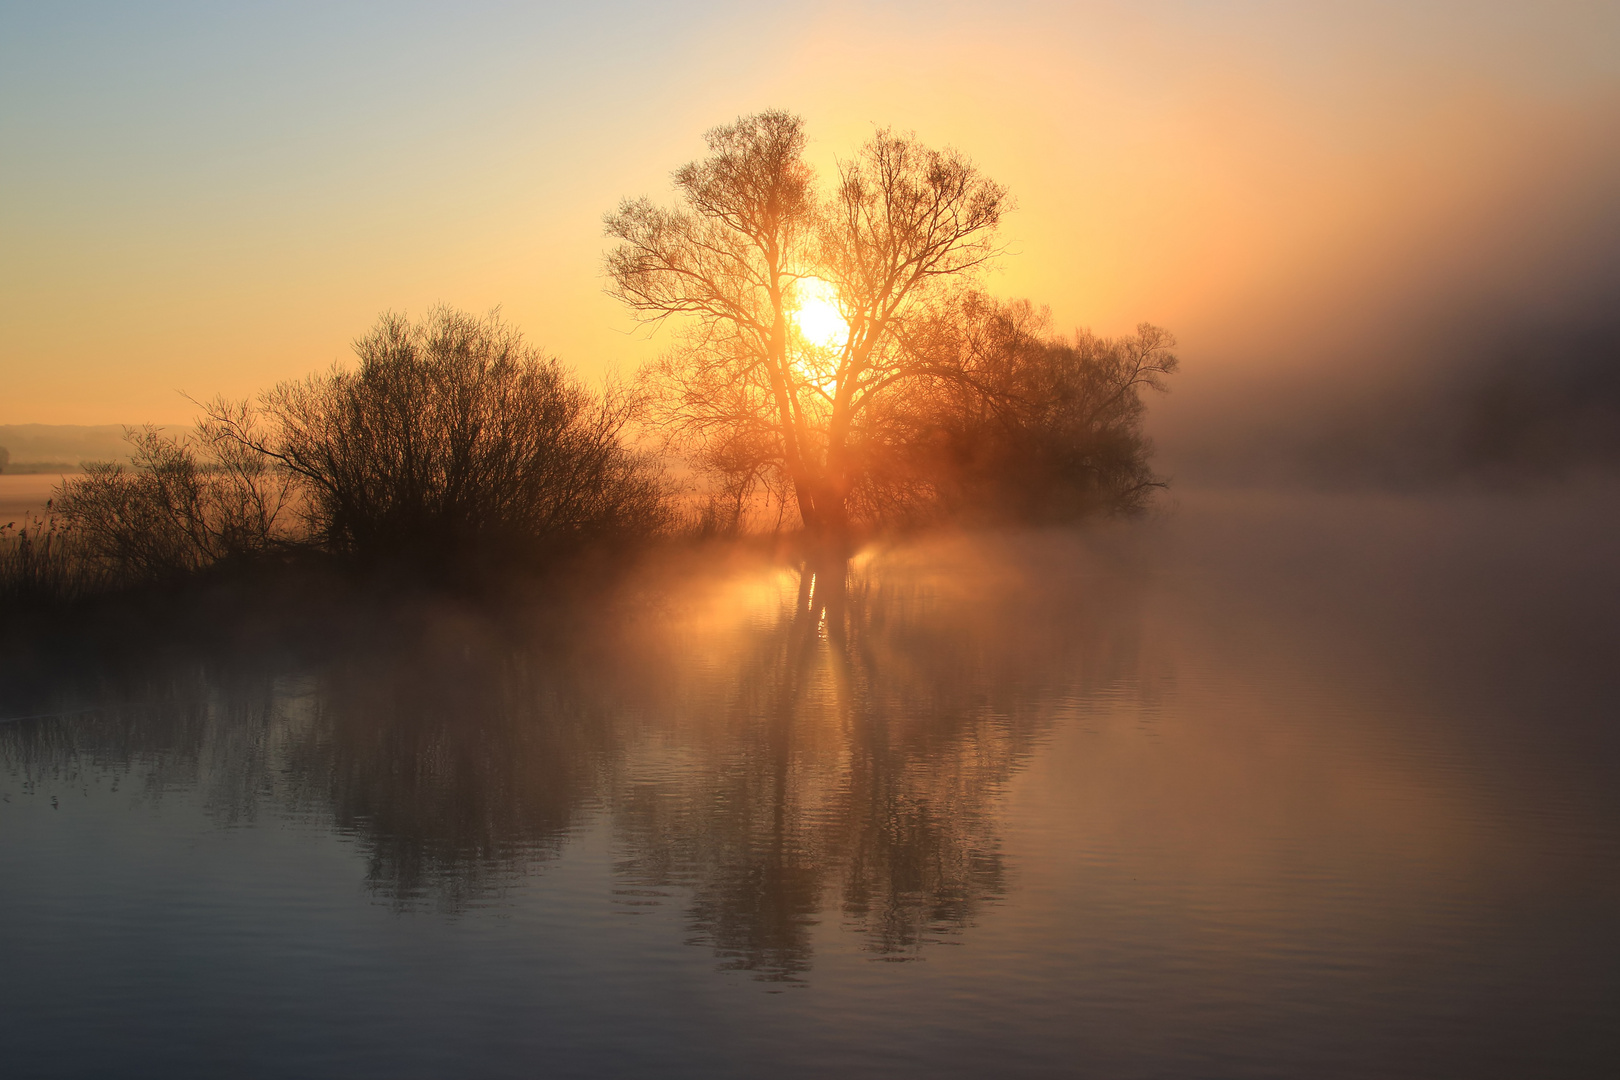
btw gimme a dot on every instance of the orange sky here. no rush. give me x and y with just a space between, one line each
209 199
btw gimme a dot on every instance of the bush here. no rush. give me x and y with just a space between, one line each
181 504
454 439
1011 423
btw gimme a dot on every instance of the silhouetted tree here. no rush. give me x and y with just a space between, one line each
180 504
1006 421
455 438
906 223
756 398
928 399
729 256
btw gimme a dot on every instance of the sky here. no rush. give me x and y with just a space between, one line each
209 198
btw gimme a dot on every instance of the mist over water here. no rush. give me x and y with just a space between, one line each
1265 785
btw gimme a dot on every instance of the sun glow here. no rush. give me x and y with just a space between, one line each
818 318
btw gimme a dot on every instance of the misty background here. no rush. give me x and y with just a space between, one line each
1477 348
64 446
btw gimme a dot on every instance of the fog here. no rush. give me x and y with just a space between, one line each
1477 344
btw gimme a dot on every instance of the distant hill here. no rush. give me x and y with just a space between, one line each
61 444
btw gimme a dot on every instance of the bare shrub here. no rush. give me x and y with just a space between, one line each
454 438
1008 422
180 504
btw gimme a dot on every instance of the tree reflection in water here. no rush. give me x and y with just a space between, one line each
846 748
832 771
834 746
457 770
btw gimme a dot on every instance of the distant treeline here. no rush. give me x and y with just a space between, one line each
42 448
36 468
1494 406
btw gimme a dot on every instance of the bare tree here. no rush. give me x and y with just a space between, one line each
729 257
1018 423
907 223
454 438
181 503
741 256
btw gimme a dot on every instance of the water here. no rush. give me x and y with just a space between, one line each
1268 786
25 494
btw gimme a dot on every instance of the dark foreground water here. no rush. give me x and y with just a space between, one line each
1271 786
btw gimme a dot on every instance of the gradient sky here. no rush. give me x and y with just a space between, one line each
212 197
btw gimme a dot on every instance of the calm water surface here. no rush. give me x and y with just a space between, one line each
1269 786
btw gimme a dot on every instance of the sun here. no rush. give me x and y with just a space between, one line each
817 316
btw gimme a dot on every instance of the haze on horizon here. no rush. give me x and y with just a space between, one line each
212 198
